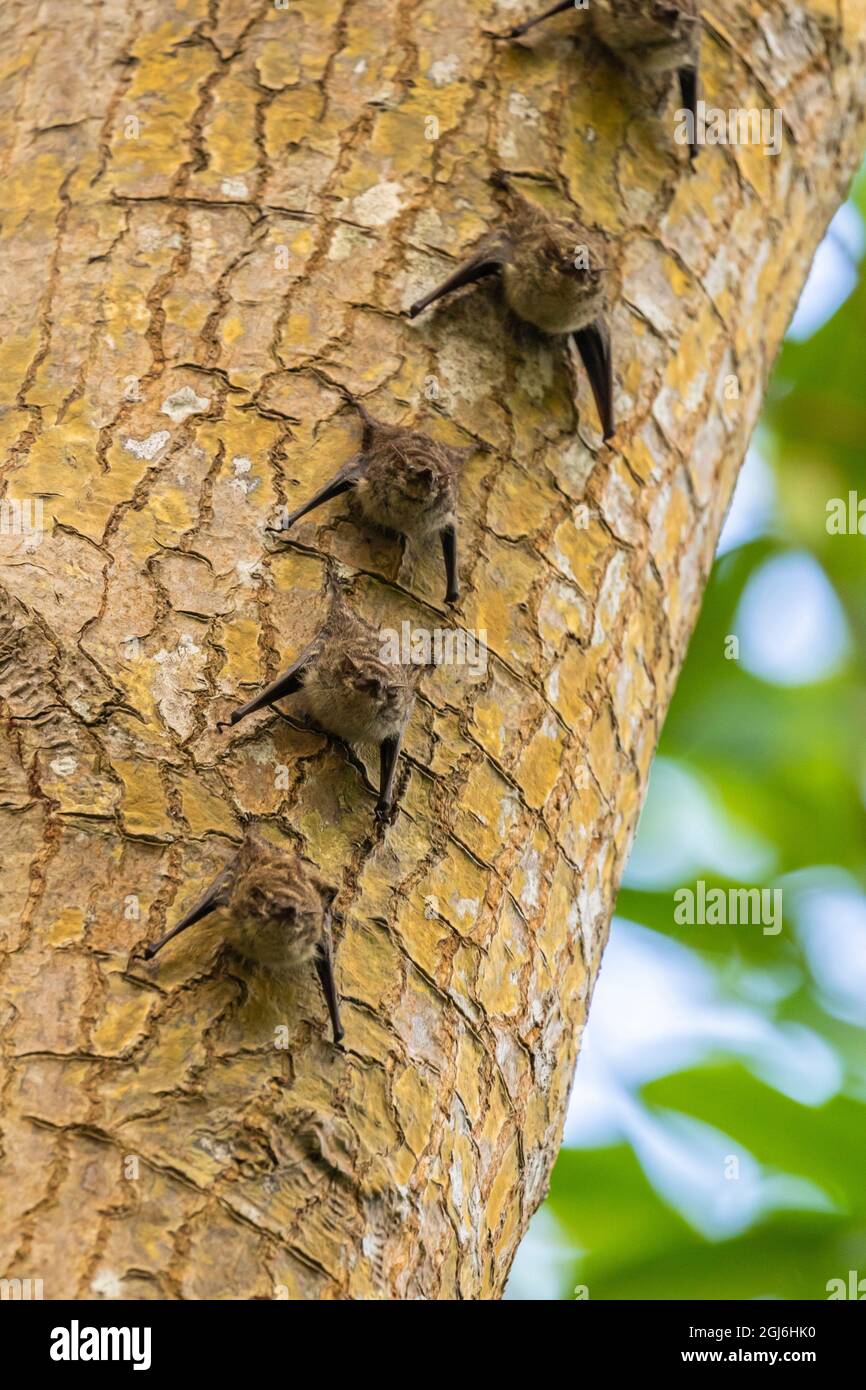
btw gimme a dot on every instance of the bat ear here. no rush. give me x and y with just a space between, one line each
326 891
335 593
258 849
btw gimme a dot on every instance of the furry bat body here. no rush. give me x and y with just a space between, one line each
554 277
650 36
404 482
280 914
349 690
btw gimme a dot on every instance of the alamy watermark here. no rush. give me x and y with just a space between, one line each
77 1343
22 516
741 125
731 907
846 516
438 646
854 1287
20 1290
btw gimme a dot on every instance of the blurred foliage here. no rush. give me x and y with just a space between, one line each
787 763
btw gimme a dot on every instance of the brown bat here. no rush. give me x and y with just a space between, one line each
654 36
349 690
404 482
280 915
554 277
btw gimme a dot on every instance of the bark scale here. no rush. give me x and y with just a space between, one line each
205 206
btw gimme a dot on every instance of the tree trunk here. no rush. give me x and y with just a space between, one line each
236 202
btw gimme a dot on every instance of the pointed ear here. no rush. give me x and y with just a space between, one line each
346 667
254 835
326 891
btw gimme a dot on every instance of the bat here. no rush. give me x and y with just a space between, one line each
654 36
403 482
349 690
280 914
554 276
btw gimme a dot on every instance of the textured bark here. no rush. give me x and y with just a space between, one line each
224 197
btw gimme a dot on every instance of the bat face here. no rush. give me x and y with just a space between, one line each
409 485
424 482
276 915
401 481
555 280
385 688
357 697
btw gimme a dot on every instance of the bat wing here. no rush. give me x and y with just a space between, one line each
527 24
688 80
286 684
217 895
325 972
448 538
593 344
342 481
389 753
493 252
